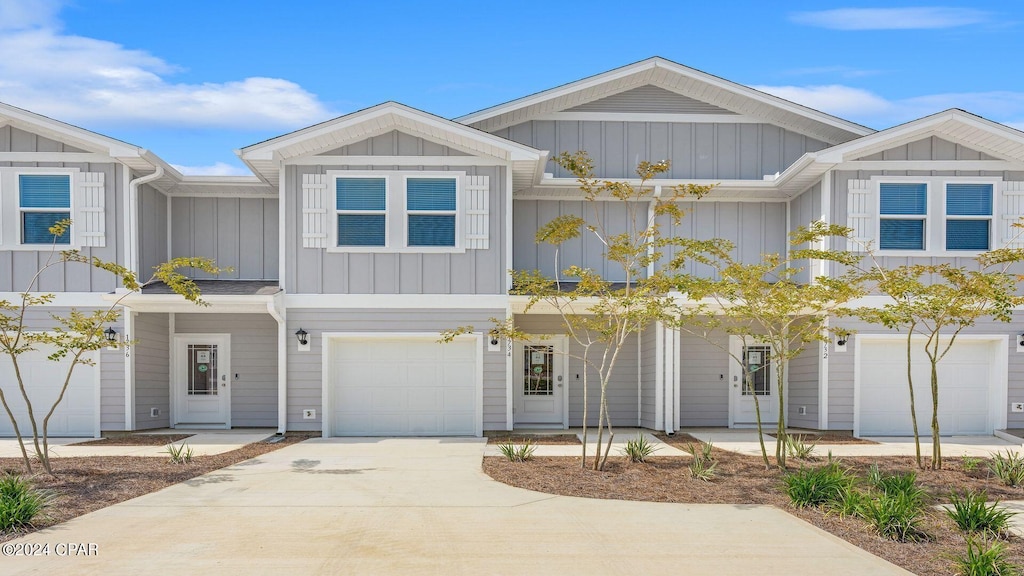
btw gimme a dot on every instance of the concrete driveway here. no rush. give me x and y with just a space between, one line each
423 506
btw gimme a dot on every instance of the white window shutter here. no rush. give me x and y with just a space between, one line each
314 211
1012 211
860 212
89 220
477 233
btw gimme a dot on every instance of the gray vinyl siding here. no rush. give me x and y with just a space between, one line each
622 386
152 370
240 233
803 387
703 380
253 360
305 380
652 100
317 271
648 365
18 266
697 150
841 367
394 143
152 229
803 210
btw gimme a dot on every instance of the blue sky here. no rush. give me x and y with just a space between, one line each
193 80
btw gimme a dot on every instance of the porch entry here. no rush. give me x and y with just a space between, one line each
763 384
201 382
539 384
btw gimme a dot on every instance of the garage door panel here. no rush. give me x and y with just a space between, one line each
457 398
76 414
427 400
460 424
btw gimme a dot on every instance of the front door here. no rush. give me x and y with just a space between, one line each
539 381
758 358
202 380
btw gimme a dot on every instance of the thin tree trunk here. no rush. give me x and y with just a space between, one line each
936 448
913 407
780 427
17 433
28 406
749 385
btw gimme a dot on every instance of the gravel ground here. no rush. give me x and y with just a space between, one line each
744 480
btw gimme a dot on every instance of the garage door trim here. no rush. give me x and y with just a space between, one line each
998 393
328 338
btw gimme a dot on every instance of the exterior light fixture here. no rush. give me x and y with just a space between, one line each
111 335
303 337
841 341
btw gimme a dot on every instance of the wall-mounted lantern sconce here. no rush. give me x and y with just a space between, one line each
841 341
303 337
493 342
1020 343
111 335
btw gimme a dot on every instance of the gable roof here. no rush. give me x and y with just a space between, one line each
264 158
676 78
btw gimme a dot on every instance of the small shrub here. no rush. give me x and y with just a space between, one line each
895 516
702 469
702 451
639 449
848 503
20 502
969 463
896 484
797 448
1009 469
818 486
983 559
973 514
517 452
180 453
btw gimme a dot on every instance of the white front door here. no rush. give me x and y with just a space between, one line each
202 379
762 386
539 381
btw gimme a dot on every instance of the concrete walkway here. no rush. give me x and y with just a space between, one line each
203 443
423 506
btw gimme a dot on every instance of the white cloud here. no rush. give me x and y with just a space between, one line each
216 169
85 80
834 98
922 17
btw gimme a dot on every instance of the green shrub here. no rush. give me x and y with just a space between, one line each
896 484
969 463
983 559
517 452
1009 469
818 486
973 515
702 451
895 516
639 449
20 502
797 448
702 469
180 453
848 503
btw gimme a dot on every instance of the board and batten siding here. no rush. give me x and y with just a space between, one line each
305 380
18 266
253 360
622 386
318 271
841 367
237 232
704 380
802 375
711 151
152 229
803 210
648 373
152 370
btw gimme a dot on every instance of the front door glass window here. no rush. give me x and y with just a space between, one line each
757 361
202 370
538 362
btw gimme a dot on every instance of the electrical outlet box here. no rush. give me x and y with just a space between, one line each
1016 406
154 412
309 414
801 410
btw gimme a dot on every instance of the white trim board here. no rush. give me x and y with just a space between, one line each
498 302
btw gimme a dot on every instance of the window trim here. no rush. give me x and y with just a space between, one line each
935 219
338 212
11 211
396 241
458 246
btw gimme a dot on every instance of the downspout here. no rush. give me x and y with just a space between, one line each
132 258
278 313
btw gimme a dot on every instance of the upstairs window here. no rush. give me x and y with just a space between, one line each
361 205
431 210
43 200
903 215
968 216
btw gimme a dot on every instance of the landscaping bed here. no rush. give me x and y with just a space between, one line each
519 438
134 440
82 485
825 438
743 479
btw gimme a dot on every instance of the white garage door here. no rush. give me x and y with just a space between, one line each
75 416
403 387
966 386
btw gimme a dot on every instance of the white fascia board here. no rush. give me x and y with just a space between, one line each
218 303
65 299
407 301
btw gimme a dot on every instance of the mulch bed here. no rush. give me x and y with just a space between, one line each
135 440
83 485
517 438
825 438
743 480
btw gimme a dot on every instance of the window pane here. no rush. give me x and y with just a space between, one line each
431 230
360 194
35 227
904 198
361 229
969 199
44 191
967 234
901 235
758 363
430 193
